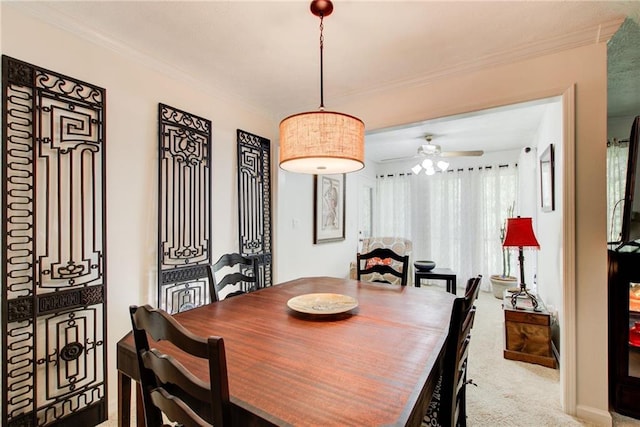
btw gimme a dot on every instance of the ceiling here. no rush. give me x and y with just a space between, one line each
266 53
497 129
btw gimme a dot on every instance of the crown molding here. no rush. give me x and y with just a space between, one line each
593 35
81 30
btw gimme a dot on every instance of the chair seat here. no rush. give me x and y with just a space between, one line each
431 418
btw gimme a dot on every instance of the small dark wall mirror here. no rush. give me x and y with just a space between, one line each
547 180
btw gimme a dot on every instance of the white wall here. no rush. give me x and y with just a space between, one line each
528 200
366 181
549 224
296 254
133 93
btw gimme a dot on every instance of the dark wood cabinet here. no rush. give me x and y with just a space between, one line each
624 349
528 335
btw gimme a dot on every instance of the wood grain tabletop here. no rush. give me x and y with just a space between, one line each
375 365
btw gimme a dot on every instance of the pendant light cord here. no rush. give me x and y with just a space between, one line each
321 63
321 142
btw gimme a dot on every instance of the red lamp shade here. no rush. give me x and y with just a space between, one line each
520 233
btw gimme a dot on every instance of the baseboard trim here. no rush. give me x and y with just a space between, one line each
593 415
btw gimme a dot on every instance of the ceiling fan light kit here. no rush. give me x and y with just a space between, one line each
432 155
429 167
321 142
442 165
429 149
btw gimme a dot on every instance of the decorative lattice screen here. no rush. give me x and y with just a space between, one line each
184 209
254 201
54 249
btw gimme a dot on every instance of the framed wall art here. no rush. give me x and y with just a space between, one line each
329 208
547 193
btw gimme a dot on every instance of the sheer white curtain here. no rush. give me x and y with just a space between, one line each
452 218
393 206
617 155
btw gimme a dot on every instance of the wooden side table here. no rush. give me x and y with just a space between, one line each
528 334
438 274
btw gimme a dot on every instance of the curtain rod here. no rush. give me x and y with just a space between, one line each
515 165
390 175
616 141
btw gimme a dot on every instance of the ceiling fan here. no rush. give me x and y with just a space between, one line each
430 150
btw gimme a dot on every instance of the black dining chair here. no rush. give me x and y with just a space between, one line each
448 404
186 287
383 265
168 387
234 274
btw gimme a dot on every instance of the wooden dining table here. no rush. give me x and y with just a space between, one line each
374 365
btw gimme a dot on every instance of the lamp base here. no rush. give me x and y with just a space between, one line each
524 292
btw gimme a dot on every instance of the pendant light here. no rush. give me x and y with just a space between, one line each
321 142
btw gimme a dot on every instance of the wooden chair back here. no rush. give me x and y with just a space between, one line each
380 262
234 274
452 411
168 387
186 287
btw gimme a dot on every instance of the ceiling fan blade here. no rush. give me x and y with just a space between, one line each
461 153
395 159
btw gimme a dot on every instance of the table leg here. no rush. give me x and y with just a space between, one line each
124 400
416 281
454 285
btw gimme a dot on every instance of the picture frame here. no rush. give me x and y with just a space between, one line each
547 179
329 208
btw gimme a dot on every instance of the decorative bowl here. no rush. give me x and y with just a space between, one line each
424 265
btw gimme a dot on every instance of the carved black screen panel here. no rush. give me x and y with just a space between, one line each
184 203
254 201
54 249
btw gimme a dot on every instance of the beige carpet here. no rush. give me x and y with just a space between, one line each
511 393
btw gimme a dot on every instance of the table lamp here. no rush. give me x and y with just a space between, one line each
520 235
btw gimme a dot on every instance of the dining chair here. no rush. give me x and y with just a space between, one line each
168 387
382 265
234 274
448 404
186 287
399 245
